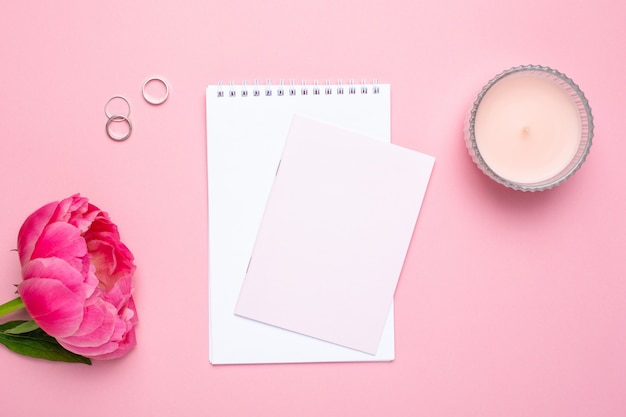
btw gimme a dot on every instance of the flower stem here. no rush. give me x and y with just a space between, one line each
11 306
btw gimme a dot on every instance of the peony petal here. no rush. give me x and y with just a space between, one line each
128 342
120 295
68 207
97 328
103 226
103 258
76 211
83 214
91 281
122 340
53 306
124 261
60 270
60 240
61 214
110 350
123 347
129 313
113 260
31 229
98 352
78 205
92 317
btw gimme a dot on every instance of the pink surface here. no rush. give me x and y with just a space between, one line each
509 304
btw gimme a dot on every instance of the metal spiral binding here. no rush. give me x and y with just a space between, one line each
256 92
281 90
268 87
352 89
316 88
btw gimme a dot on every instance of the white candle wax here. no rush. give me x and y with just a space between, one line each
527 128
531 128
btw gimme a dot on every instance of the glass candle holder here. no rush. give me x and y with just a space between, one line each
530 128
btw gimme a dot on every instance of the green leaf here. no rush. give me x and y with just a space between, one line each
36 344
27 326
11 306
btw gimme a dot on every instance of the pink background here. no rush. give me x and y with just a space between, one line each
509 304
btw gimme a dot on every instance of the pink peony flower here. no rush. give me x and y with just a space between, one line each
77 278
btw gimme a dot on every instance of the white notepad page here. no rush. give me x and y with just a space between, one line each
245 140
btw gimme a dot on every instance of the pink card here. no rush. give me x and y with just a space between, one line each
334 235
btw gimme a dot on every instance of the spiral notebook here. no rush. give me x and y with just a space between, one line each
247 127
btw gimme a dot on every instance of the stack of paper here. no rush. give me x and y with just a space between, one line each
310 219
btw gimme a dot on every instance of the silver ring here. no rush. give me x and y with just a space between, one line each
153 100
118 118
107 105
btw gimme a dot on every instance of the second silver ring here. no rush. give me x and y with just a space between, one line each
106 112
155 100
118 118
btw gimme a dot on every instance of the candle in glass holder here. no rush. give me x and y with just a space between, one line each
530 128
